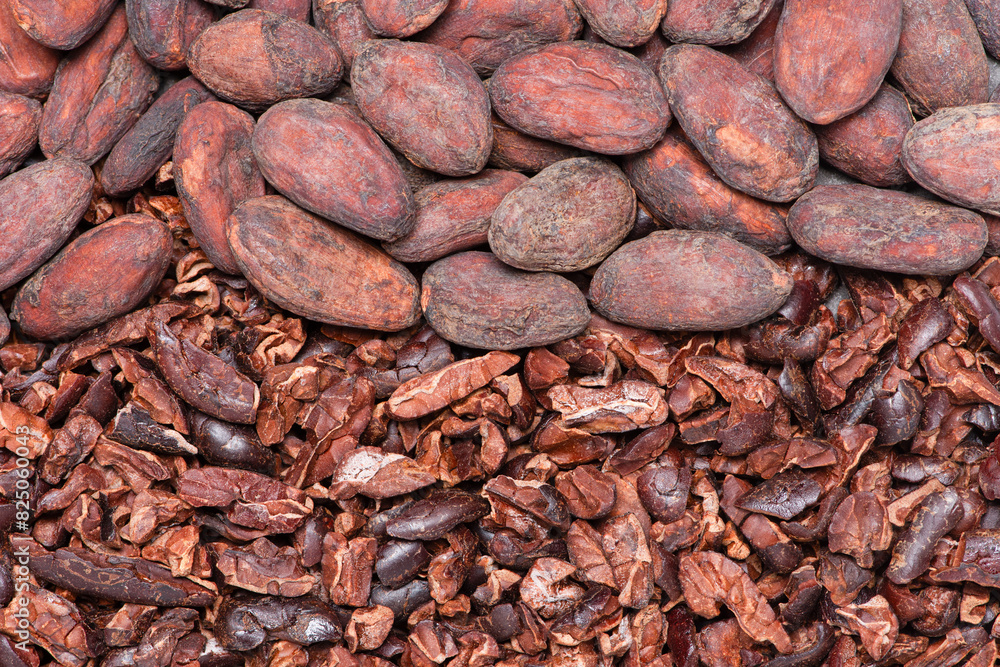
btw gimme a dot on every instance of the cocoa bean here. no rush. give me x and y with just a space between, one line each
344 22
623 24
293 9
519 152
401 18
27 67
20 118
62 25
163 30
713 21
756 52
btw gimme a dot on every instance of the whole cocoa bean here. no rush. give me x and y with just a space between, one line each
344 22
868 228
676 183
427 103
254 59
952 153
713 21
454 215
231 4
568 217
105 272
401 18
688 281
27 67
40 207
485 33
325 158
519 152
150 142
623 24
163 30
318 270
756 52
99 92
739 124
474 299
215 171
831 57
62 25
20 118
987 19
591 96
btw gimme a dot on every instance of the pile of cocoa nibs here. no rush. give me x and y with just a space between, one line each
527 333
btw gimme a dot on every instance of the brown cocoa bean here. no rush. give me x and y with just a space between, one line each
952 153
485 33
831 57
344 22
26 67
676 183
215 171
868 144
567 218
319 270
713 21
293 9
427 103
150 142
739 124
886 230
401 18
688 281
623 24
986 16
591 96
40 207
20 118
940 61
62 25
474 299
518 152
254 59
454 215
231 4
99 92
163 30
756 52
105 272
325 158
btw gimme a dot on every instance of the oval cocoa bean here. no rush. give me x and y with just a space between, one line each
676 183
570 216
831 57
163 30
150 142
215 171
427 103
474 299
688 281
623 24
325 158
293 9
27 67
401 18
591 96
713 21
953 154
62 25
20 118
99 92
518 152
868 228
105 272
454 215
985 16
756 52
344 22
318 270
739 124
255 58
40 206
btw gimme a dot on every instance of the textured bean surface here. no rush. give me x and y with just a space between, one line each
27 67
623 24
62 25
163 30
20 118
401 18
713 21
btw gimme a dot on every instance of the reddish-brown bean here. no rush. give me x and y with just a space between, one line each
756 52
401 18
713 21
623 24
62 25
20 118
519 152
27 67
344 22
163 30
293 9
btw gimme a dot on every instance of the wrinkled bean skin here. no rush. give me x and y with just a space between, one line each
714 22
519 152
474 299
688 281
150 142
625 24
325 158
103 273
739 124
756 52
318 270
344 22
984 14
934 518
293 9
20 118
62 25
163 30
26 67
861 226
215 171
570 216
33 228
278 59
831 57
590 96
99 92
427 103
401 18
676 183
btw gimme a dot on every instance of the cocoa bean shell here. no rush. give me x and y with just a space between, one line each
688 281
163 30
987 19
344 22
713 21
325 158
20 118
623 24
105 272
886 230
591 96
62 25
474 299
401 18
318 270
27 67
568 217
293 9
519 152
756 52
